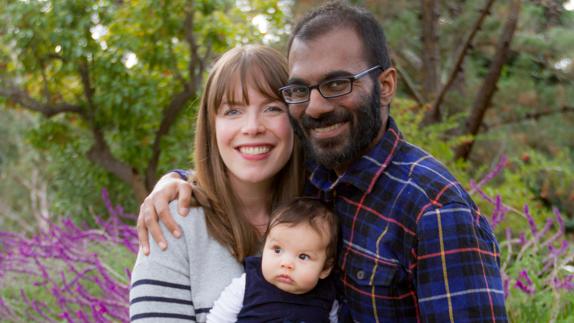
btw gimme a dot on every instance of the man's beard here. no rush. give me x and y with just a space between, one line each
365 123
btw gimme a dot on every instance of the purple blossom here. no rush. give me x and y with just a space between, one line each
524 283
499 212
502 162
566 283
522 238
61 262
530 219
559 219
548 247
524 287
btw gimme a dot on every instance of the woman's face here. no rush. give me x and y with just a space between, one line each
255 141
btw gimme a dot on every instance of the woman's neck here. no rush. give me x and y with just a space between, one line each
255 199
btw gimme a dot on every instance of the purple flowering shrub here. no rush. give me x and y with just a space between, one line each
536 262
76 274
69 273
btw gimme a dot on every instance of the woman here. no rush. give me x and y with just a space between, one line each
247 162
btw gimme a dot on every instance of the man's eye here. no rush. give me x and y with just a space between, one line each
299 91
335 85
304 256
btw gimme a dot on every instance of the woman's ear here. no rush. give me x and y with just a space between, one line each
388 82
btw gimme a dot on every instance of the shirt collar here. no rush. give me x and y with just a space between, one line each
364 172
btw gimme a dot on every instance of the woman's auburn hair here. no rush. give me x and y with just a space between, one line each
265 69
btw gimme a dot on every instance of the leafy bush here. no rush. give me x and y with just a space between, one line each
535 263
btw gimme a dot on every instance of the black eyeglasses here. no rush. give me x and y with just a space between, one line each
331 88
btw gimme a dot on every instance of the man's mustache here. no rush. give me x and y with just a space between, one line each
326 119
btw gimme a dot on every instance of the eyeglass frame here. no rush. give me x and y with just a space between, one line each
317 86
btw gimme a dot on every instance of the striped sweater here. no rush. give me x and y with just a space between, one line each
181 283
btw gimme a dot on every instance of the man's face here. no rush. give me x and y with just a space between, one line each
334 131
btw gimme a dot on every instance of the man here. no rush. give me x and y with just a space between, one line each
414 245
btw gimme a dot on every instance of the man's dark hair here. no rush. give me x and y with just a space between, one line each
337 14
310 211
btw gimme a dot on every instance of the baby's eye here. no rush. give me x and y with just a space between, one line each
304 256
276 249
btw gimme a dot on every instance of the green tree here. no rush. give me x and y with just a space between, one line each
115 78
502 70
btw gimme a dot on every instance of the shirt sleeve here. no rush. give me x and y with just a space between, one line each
160 284
334 314
458 267
182 173
229 304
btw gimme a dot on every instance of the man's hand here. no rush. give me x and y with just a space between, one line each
155 206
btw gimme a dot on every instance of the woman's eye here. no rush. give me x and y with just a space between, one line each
274 108
304 257
230 112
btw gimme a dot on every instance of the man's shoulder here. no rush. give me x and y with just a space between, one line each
425 175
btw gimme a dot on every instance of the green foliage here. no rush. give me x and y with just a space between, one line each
137 56
123 64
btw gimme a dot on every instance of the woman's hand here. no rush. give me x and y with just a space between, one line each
155 206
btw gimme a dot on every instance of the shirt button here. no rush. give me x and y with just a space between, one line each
360 274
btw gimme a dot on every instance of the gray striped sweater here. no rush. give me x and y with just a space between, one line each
181 283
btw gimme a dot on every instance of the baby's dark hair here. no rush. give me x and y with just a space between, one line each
311 211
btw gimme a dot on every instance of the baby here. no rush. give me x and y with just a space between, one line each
287 283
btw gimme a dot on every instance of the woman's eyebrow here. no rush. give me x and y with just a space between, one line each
232 102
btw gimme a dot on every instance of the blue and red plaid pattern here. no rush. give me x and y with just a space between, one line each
414 245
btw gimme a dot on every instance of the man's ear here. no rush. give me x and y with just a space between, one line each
388 82
326 271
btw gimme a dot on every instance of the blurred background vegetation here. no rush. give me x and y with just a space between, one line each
100 94
103 94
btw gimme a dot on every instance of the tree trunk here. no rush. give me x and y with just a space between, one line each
434 115
430 54
486 92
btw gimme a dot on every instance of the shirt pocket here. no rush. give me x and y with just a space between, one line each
367 272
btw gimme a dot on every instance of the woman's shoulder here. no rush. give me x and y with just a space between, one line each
195 217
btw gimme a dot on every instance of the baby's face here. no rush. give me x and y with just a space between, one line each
294 257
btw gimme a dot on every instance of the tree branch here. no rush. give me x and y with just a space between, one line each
409 84
530 116
100 154
23 99
47 94
179 100
194 58
434 115
169 116
173 65
430 54
486 92
89 91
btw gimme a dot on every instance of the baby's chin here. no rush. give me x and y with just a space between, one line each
291 288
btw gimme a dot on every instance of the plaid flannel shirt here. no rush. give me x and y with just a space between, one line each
414 245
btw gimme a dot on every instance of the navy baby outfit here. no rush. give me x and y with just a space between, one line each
264 302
